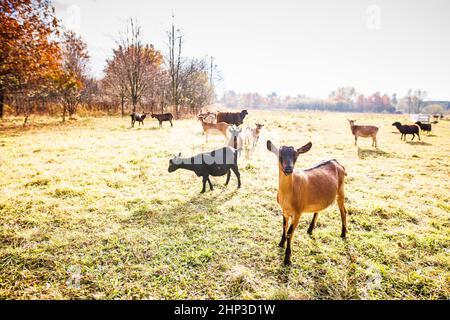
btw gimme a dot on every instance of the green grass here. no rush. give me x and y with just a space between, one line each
88 210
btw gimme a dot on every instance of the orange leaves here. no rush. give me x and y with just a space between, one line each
27 49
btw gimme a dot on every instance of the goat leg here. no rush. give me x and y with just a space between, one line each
228 177
283 236
210 184
205 178
313 224
343 217
290 234
238 175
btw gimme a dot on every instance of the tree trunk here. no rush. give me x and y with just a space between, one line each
2 100
123 105
64 113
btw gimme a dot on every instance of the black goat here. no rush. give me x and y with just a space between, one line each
424 126
216 163
407 129
236 118
138 117
163 117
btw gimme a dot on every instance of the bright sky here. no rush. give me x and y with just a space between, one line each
289 46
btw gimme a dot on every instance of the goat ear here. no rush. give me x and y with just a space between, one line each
271 147
304 149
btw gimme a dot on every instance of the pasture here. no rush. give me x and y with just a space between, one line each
89 210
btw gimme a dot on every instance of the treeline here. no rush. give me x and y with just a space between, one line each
344 99
45 69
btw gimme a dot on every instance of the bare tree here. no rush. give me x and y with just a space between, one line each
138 63
415 99
174 62
115 82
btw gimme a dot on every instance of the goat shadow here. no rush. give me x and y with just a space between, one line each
142 128
373 153
207 201
286 271
418 143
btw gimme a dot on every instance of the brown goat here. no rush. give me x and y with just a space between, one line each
364 132
311 190
214 128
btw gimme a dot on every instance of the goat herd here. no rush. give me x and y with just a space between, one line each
306 191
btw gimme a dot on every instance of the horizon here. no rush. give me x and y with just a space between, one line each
307 48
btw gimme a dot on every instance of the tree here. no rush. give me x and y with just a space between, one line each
433 109
415 100
70 80
174 62
137 63
197 90
115 81
29 52
345 94
394 100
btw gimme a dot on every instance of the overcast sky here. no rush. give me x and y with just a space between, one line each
289 46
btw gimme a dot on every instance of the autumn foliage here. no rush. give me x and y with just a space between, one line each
43 65
29 50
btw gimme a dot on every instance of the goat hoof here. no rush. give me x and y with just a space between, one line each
310 232
287 263
343 236
281 245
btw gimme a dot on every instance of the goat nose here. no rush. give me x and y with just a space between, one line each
289 170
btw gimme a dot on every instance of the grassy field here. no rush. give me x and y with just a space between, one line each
88 210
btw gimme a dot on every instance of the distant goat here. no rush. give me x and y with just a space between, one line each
364 132
236 140
208 117
407 129
138 117
424 127
217 164
236 118
252 134
163 117
214 128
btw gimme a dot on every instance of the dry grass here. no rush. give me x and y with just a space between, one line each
88 210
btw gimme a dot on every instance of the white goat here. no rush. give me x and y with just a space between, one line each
252 135
236 140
